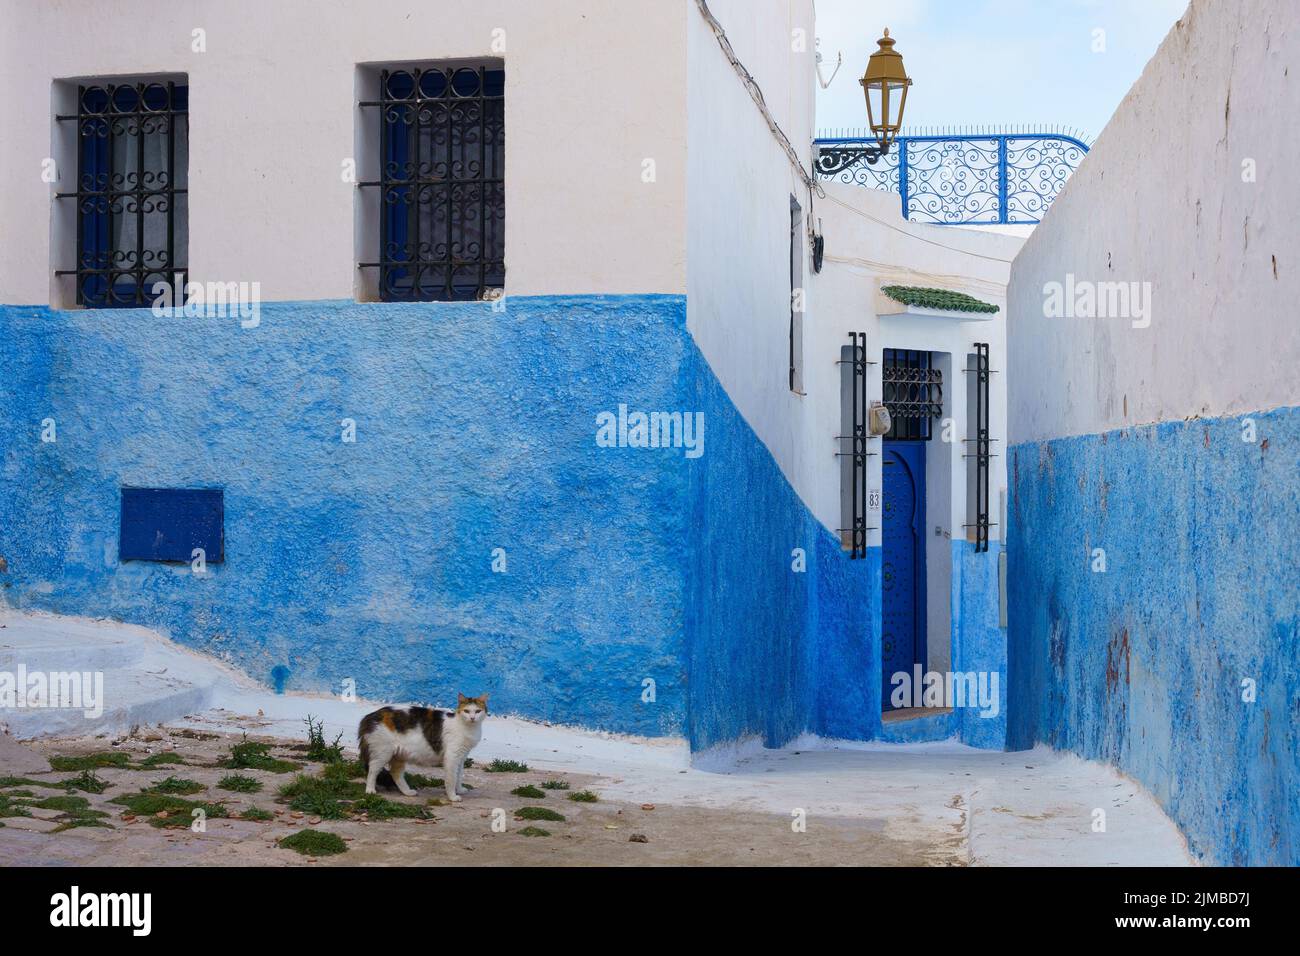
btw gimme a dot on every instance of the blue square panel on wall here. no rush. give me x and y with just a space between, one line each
167 524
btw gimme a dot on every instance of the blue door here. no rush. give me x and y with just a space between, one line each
903 562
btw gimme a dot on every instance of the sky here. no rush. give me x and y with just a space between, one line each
994 62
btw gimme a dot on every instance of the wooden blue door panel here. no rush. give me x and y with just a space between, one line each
902 633
167 524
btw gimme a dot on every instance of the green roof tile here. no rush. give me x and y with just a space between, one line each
937 299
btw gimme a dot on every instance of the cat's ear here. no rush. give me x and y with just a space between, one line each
483 700
460 699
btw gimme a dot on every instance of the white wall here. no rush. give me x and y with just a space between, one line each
739 183
592 90
1161 199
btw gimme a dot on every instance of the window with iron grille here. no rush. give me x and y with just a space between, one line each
132 219
441 183
912 390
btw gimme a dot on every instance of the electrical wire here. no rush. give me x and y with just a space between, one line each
911 235
813 186
756 94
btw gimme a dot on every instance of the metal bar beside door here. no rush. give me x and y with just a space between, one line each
858 454
983 445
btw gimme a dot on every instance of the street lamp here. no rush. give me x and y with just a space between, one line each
885 87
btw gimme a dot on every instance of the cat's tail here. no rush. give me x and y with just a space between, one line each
365 752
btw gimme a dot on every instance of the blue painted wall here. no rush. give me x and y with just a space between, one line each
372 560
979 643
772 652
1142 665
846 625
474 430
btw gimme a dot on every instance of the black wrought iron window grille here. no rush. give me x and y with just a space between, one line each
912 390
982 453
441 184
131 195
853 363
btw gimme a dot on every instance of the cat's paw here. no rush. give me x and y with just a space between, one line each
454 797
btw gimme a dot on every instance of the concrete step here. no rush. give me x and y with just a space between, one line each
48 643
136 678
130 699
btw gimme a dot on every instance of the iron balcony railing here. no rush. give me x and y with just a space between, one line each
959 179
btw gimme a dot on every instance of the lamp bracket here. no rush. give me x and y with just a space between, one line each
834 159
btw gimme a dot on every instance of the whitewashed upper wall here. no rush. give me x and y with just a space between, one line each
739 183
593 89
1161 199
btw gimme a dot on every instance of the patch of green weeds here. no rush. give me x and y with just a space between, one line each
176 786
180 812
73 812
419 781
317 749
87 782
529 792
238 783
555 785
534 831
538 813
95 761
250 755
321 805
314 843
72 822
583 796
259 815
159 759
505 766
181 820
10 808
378 808
321 796
145 804
340 788
346 770
67 803
339 797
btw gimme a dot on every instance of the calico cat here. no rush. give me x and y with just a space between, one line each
392 737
